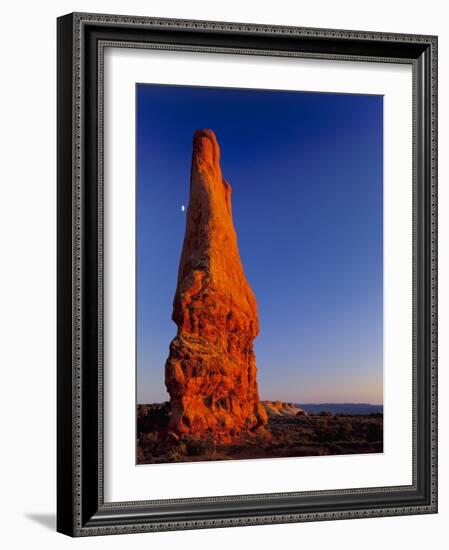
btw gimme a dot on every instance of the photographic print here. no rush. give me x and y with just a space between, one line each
247 274
259 262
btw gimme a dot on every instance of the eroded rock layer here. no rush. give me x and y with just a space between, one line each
210 373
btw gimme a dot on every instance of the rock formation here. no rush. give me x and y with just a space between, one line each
210 373
281 408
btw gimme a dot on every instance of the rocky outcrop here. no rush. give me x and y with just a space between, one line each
282 408
210 373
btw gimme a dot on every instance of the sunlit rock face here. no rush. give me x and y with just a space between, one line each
211 371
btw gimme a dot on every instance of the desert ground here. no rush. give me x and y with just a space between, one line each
290 432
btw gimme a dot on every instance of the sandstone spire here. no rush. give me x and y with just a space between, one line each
210 373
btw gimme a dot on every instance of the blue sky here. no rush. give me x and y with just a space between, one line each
306 172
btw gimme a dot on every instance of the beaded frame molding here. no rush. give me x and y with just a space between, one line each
81 509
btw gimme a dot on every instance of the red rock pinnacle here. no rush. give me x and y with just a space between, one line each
210 373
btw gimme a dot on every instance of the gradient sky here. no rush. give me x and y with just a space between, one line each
306 172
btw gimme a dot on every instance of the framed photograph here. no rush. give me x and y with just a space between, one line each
247 280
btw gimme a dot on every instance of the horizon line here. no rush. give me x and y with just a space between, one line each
296 402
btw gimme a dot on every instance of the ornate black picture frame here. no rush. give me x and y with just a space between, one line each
81 509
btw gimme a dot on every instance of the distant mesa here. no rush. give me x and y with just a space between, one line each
341 408
211 371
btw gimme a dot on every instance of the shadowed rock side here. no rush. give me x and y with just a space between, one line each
210 373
